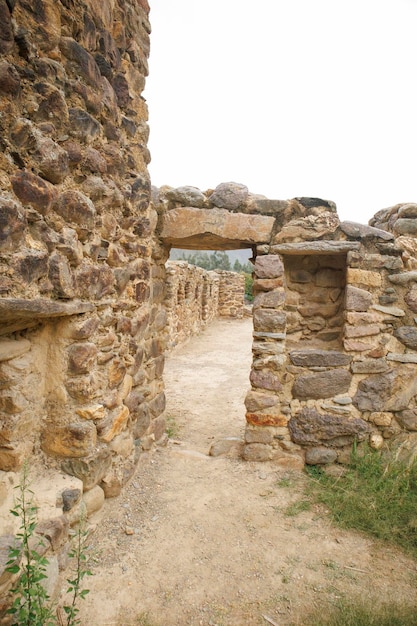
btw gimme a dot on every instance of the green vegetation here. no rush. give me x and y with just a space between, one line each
373 495
32 605
363 613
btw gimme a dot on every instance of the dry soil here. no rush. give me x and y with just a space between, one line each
202 541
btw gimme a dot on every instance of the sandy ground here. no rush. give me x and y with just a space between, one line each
202 541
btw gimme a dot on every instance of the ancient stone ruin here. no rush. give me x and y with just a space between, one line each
85 294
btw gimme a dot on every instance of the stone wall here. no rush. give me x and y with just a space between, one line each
81 274
335 348
194 297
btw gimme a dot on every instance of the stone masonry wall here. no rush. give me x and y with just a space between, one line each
335 330
194 297
81 275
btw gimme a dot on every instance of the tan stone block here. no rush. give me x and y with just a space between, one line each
354 317
351 345
363 277
72 440
119 420
94 412
117 371
364 330
381 418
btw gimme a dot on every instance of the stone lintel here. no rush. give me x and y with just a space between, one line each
407 357
316 247
19 313
204 229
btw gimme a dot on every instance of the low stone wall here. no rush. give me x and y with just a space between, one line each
194 297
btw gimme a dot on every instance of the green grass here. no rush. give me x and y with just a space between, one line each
363 613
374 495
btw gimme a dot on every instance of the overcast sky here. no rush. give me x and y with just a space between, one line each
290 97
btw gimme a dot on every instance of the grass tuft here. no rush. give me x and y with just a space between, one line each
359 612
374 495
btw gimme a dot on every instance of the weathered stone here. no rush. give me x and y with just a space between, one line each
187 196
403 278
94 282
70 497
407 335
84 62
409 357
363 231
94 412
185 227
6 32
307 228
411 298
350 345
390 391
52 160
13 224
256 401
319 358
364 330
157 405
117 422
405 226
389 310
226 447
270 299
230 196
77 209
259 435
33 190
9 76
364 278
407 419
32 265
93 500
311 428
265 380
86 328
13 348
320 456
90 469
357 299
315 247
267 419
369 366
61 276
55 530
269 266
257 452
381 418
322 384
314 309
72 440
269 284
81 358
269 320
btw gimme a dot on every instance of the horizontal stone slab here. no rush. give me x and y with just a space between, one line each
316 247
201 229
19 313
403 278
363 231
259 335
320 358
402 358
389 310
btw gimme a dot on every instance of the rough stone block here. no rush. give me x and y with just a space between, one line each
90 469
322 384
357 299
72 440
311 428
269 266
257 452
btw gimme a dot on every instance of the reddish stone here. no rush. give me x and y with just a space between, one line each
94 282
265 380
12 223
82 357
86 64
33 190
269 266
52 160
61 276
121 88
265 419
6 30
32 265
9 78
75 207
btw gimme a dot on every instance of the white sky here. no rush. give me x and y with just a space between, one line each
290 97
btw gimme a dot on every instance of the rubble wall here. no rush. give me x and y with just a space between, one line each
81 275
195 297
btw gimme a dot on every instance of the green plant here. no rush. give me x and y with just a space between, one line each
374 495
360 612
249 287
172 428
32 606
297 507
78 554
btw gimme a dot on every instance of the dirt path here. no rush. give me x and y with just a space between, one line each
209 539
